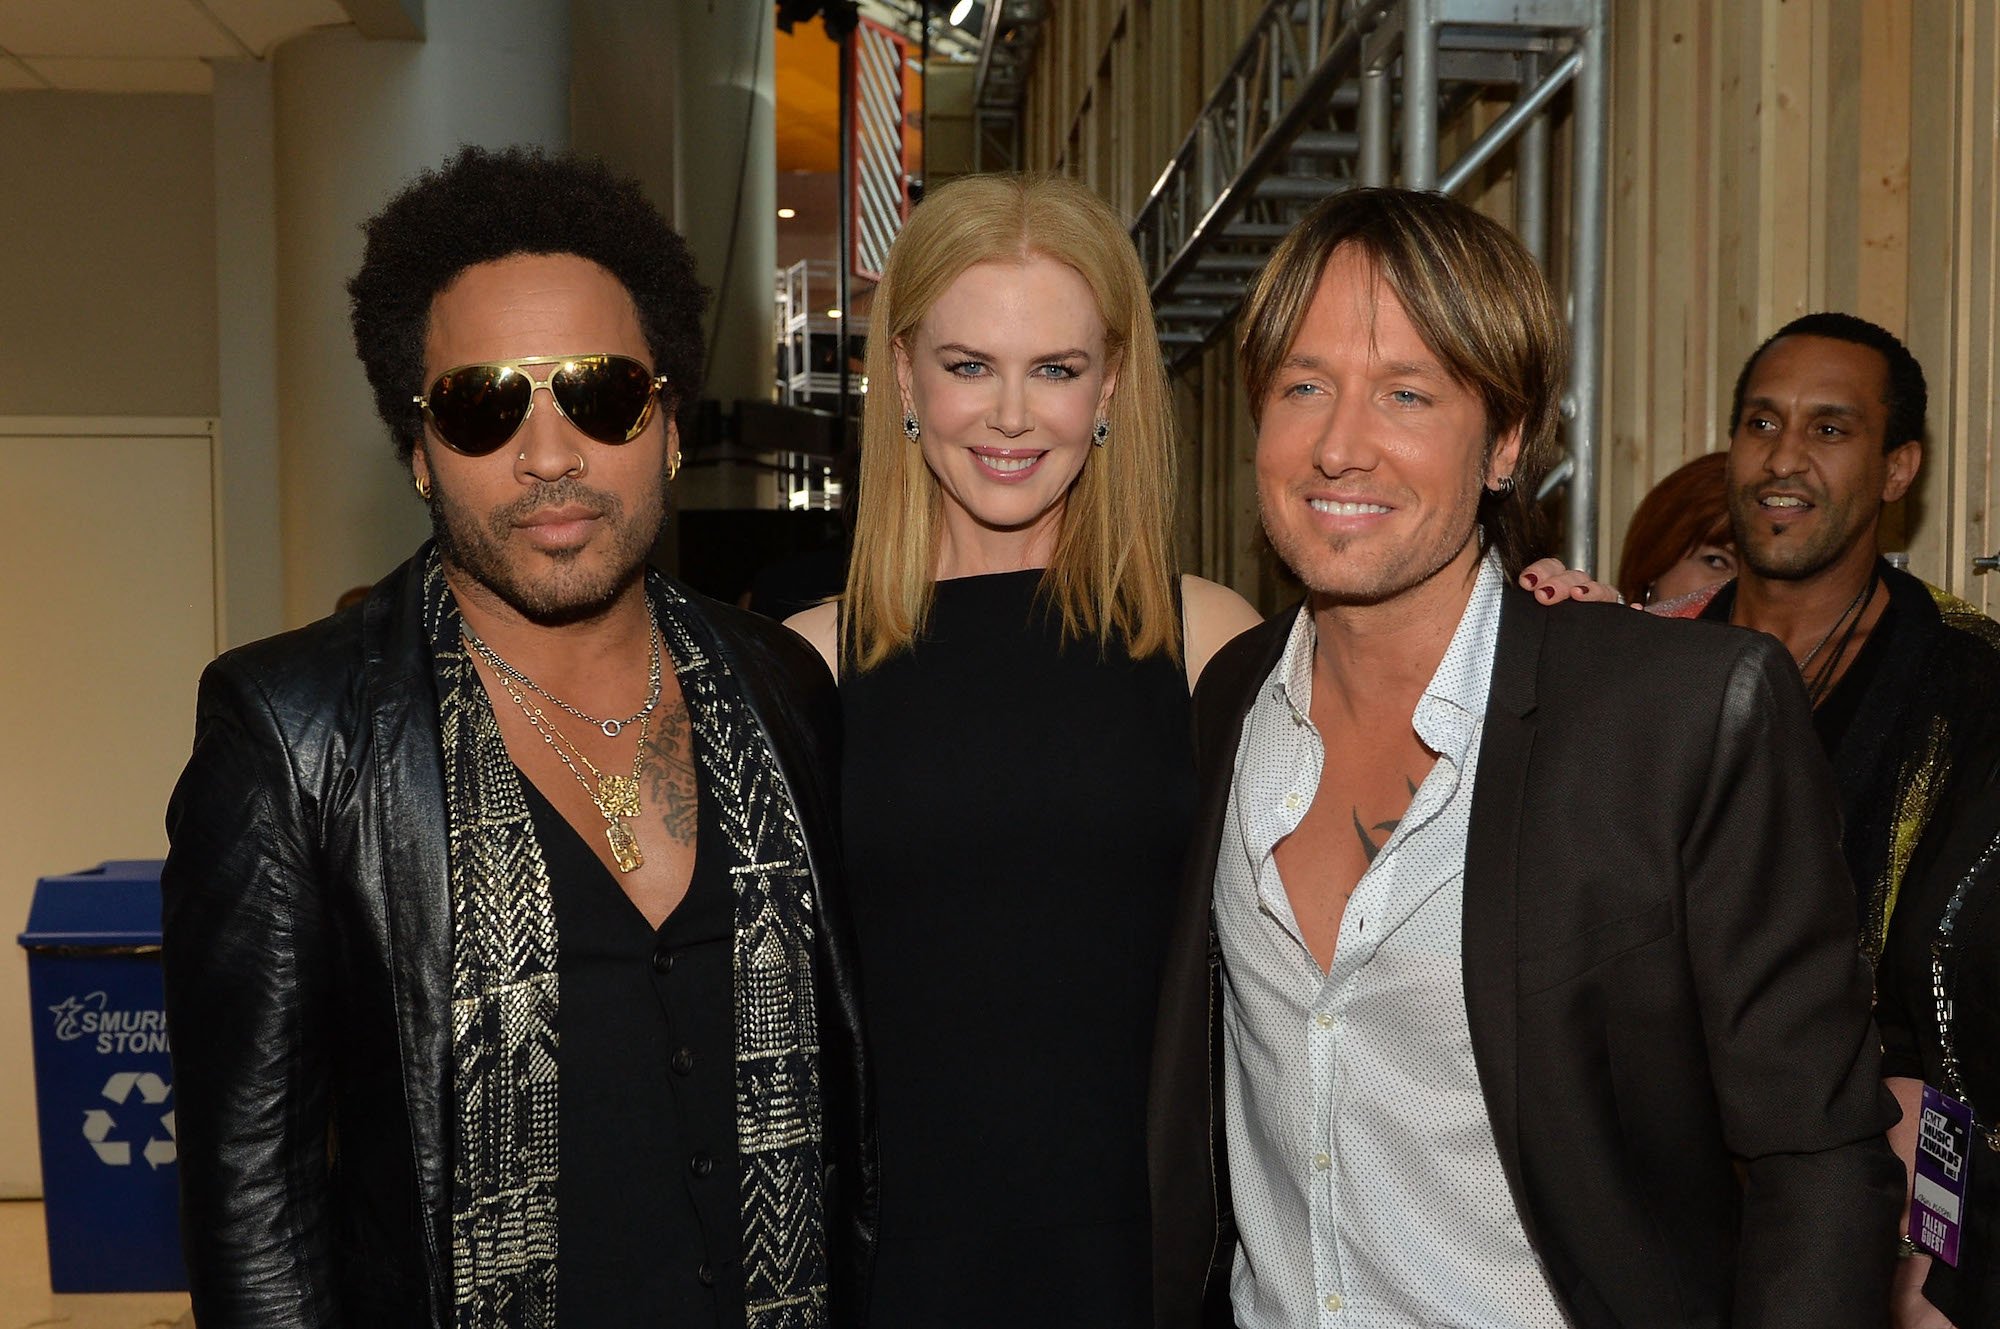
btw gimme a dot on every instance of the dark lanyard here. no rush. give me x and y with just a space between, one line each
1942 954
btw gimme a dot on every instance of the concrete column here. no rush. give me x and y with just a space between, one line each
726 183
354 120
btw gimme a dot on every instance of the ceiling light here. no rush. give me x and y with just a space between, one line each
786 214
833 313
959 11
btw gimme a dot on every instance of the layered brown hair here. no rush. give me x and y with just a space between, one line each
1112 571
1474 295
1688 509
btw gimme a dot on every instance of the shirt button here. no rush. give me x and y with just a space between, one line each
682 1061
704 1275
1323 1020
701 1164
1331 1301
663 961
1292 802
1321 1162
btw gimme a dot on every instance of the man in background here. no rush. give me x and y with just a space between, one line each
1825 430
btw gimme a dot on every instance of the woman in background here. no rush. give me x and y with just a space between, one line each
1679 539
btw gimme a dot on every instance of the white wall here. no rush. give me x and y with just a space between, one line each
246 256
99 649
107 269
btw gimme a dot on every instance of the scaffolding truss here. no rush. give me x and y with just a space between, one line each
1007 40
1328 94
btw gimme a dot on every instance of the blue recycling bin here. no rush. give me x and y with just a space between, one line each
103 1081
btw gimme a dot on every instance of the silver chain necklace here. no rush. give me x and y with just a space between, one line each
610 728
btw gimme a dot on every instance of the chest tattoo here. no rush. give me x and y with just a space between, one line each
1370 846
666 766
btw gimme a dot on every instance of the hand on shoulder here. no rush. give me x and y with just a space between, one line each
1552 583
820 626
1211 614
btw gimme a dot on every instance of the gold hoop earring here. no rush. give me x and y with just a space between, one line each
673 465
423 485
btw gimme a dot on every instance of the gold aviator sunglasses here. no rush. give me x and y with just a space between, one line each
475 409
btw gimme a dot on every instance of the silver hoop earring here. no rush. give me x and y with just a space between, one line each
912 428
1099 432
1504 488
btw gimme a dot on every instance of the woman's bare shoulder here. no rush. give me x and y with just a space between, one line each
1211 614
820 625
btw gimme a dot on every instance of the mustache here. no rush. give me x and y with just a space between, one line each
566 492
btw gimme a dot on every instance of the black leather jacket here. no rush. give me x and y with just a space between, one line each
308 968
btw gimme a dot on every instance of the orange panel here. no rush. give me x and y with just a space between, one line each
808 110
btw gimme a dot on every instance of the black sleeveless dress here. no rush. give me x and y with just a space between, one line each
1016 813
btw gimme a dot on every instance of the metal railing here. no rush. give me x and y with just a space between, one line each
812 340
1327 94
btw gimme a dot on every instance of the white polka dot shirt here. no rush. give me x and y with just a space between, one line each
1367 1188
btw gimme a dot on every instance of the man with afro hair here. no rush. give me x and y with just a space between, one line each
508 970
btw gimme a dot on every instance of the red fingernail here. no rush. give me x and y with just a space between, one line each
1532 580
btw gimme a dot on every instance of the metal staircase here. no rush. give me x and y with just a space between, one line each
1007 40
1328 94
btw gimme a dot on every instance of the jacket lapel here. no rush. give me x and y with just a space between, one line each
1492 885
1188 1173
408 821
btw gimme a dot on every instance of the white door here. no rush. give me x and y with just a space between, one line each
108 611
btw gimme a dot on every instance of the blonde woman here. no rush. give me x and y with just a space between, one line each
1015 652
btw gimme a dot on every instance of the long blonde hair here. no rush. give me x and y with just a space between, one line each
1112 571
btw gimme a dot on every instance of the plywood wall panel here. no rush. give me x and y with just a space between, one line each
1882 163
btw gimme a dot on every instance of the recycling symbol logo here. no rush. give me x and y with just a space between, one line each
133 1092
